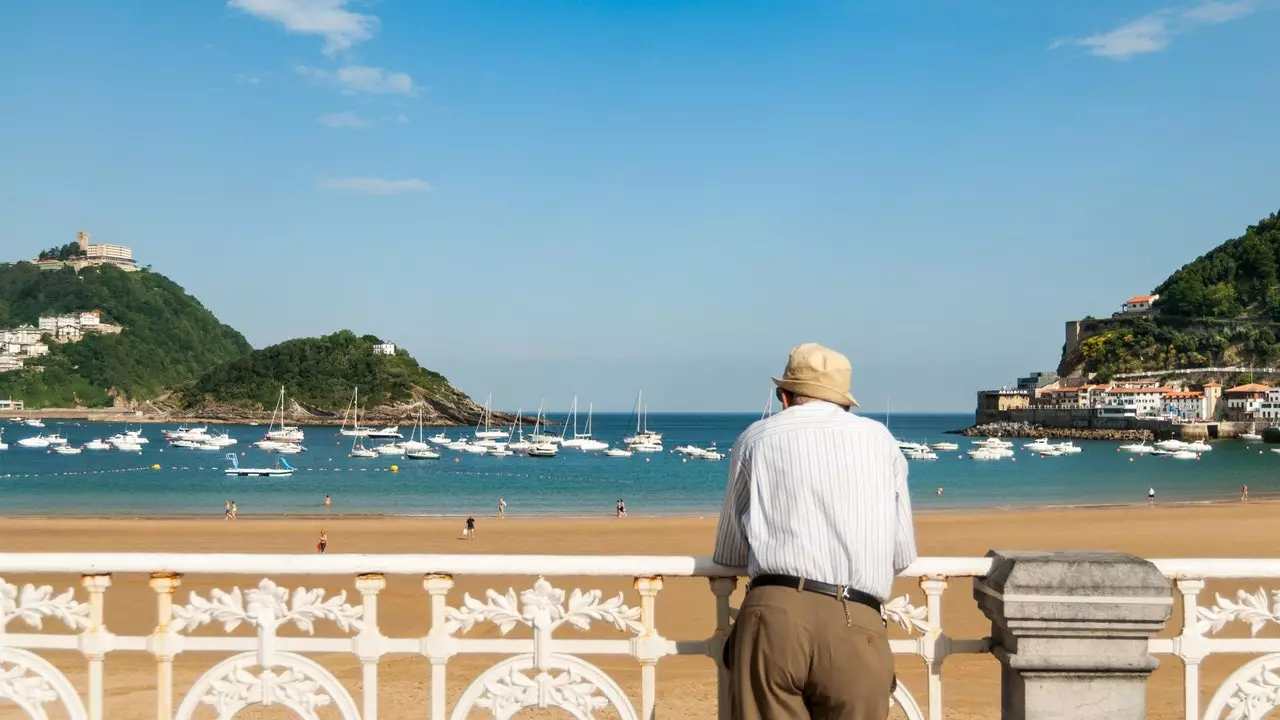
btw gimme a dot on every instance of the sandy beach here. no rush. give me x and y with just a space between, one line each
685 606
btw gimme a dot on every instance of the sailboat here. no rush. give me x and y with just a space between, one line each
284 433
643 436
418 432
541 437
576 440
585 442
487 433
516 441
358 450
355 430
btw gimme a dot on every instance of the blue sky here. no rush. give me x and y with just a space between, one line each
546 198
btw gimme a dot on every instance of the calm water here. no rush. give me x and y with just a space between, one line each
574 483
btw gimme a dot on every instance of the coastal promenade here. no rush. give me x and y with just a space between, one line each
143 619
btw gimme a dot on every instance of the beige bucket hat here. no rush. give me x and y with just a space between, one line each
818 372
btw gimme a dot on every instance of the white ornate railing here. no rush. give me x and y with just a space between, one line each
543 670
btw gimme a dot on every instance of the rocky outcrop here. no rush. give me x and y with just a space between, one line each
1027 430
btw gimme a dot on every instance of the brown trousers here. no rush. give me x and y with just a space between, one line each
793 654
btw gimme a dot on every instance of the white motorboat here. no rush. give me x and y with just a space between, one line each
589 445
1069 448
184 433
500 451
1171 444
643 436
34 422
440 439
1038 445
543 450
1141 448
56 440
290 449
135 436
690 450
616 452
646 448
359 451
1250 437
67 450
920 453
476 449
483 429
1185 455
195 445
391 432
39 441
1199 446
128 446
282 468
1051 451
3 446
422 455
710 454
993 443
270 444
985 453
908 446
389 449
945 446
458 444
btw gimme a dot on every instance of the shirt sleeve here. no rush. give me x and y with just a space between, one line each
904 545
731 541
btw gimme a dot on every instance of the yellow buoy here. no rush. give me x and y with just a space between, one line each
155 467
395 468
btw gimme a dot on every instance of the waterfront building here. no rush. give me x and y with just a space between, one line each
1187 405
995 405
1243 401
1139 304
1146 401
11 405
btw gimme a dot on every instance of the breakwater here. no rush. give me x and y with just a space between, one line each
1029 430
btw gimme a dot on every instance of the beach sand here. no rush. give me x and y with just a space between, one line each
685 606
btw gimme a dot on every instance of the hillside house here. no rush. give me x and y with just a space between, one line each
385 348
1139 304
1243 401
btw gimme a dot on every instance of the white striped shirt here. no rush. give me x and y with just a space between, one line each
819 493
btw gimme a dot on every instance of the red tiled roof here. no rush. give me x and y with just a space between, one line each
1139 299
1250 388
1212 383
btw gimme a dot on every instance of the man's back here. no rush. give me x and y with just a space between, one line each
818 493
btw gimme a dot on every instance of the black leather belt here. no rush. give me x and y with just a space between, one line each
796 583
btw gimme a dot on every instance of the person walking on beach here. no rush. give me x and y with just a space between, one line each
1151 496
327 501
226 513
1244 493
234 510
470 531
324 541
816 508
502 508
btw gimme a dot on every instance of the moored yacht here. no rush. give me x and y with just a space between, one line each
643 436
543 450
96 444
617 452
67 450
1038 445
483 429
1141 448
947 446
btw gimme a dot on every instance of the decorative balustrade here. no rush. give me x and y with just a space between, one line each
1049 613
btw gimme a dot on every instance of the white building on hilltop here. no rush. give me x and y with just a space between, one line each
385 348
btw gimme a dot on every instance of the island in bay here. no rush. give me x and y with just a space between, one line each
87 333
1198 356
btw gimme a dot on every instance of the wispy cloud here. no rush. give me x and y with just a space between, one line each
1153 32
328 19
342 120
362 79
248 79
402 118
374 186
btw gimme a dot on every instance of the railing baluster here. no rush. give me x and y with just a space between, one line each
648 589
164 584
1192 647
94 641
722 588
368 643
933 645
438 644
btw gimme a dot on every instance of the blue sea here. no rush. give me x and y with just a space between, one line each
34 482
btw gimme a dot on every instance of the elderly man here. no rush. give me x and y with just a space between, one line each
817 510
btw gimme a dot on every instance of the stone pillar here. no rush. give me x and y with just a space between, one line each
1070 630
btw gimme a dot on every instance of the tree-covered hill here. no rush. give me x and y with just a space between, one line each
318 375
1222 309
169 338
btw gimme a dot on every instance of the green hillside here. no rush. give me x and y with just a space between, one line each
1222 309
319 373
169 338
